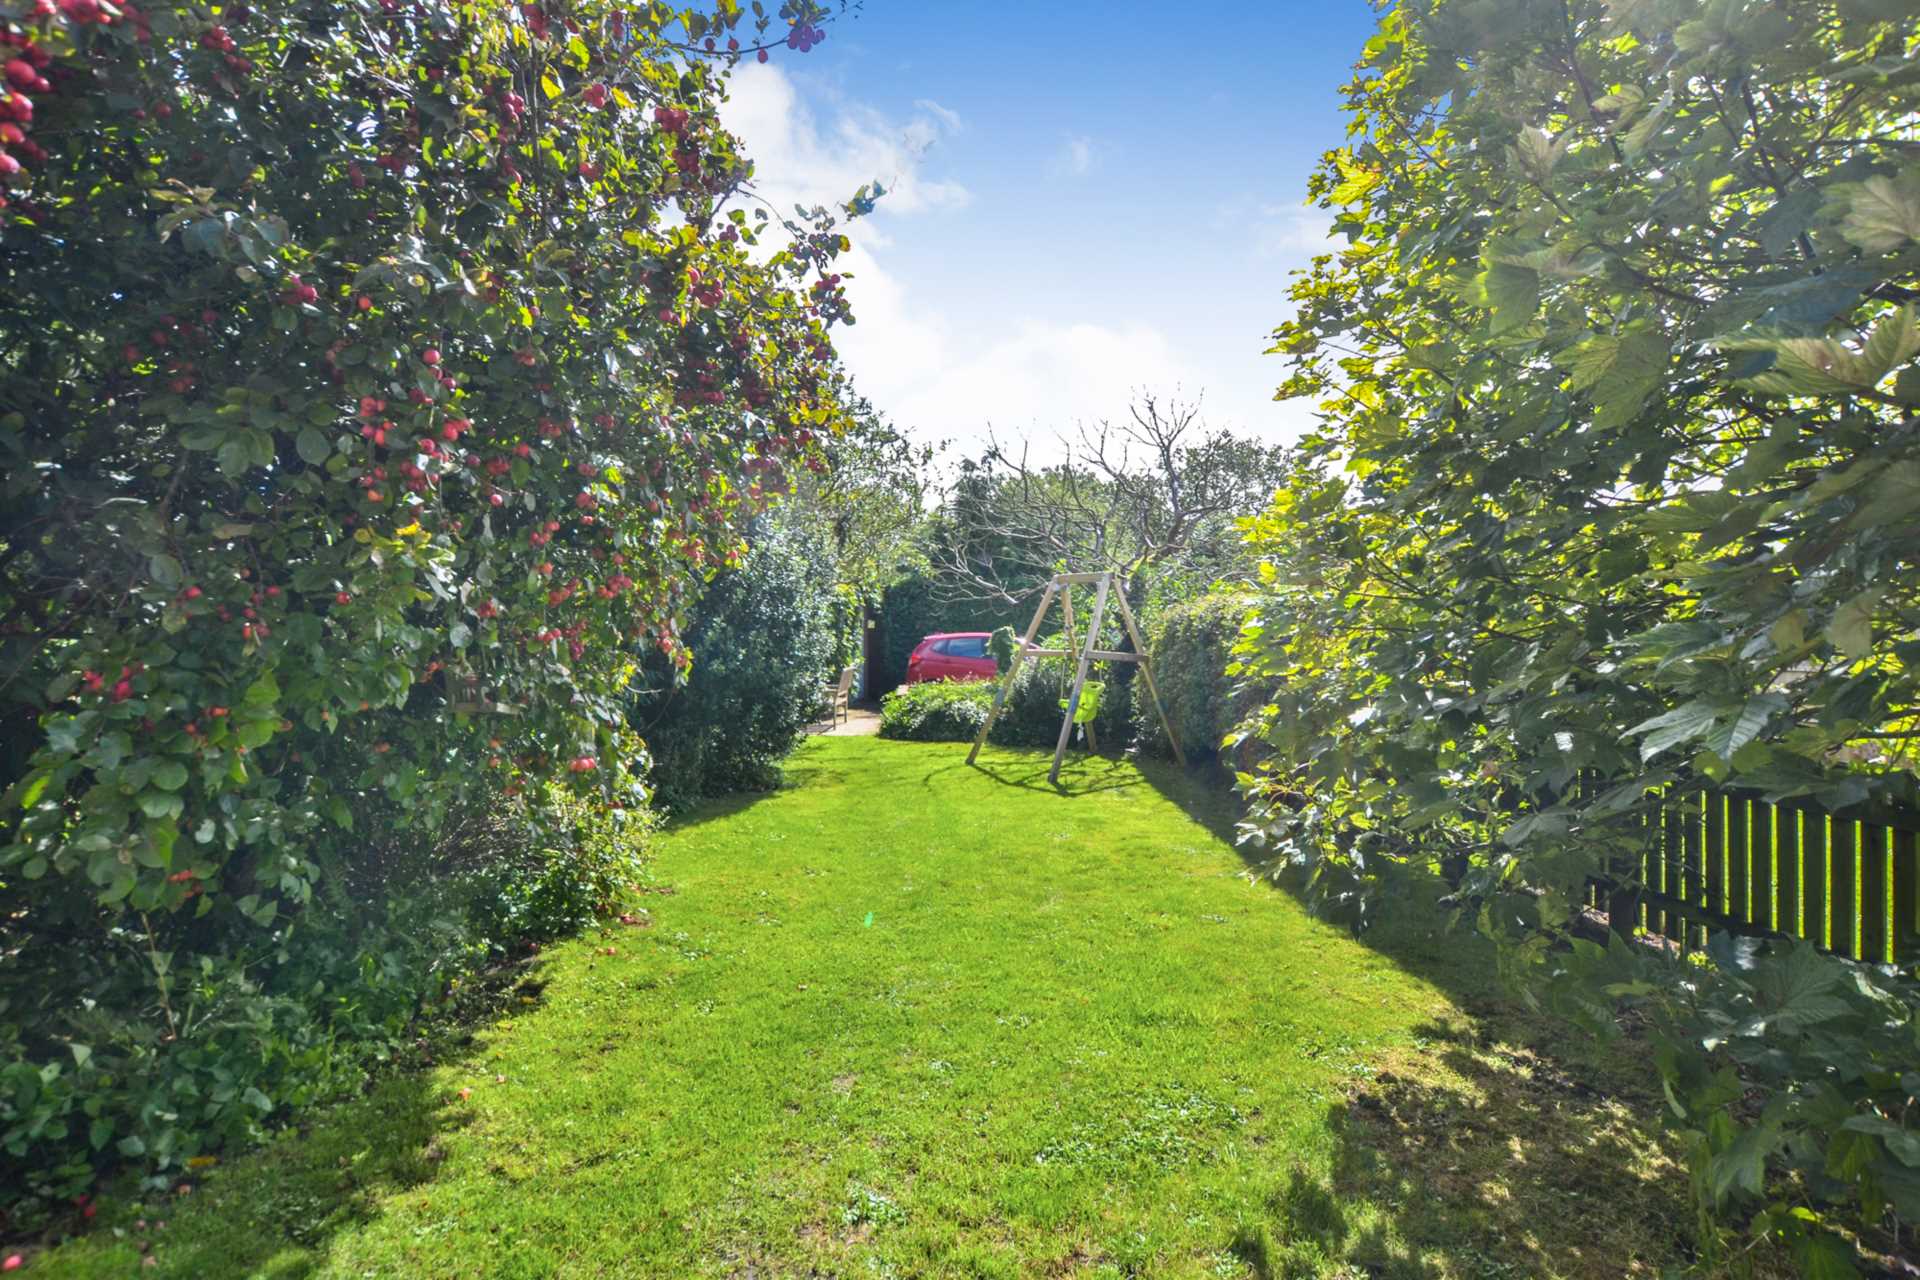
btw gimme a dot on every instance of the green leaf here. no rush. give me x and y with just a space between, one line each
1851 631
312 446
256 733
1821 1255
1740 729
1513 294
234 456
1591 360
1638 367
165 570
161 804
1902 1144
1893 342
1743 1165
1682 724
169 775
1883 213
1796 989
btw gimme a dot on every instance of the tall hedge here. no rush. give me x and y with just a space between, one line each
1192 650
373 378
763 640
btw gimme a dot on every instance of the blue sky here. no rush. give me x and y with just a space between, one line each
1085 199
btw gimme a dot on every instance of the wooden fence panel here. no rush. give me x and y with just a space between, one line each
1843 898
1786 866
1847 882
1876 851
1906 896
1813 874
1760 862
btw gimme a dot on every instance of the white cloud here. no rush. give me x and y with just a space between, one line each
1279 231
1294 231
797 160
1035 381
944 115
1077 157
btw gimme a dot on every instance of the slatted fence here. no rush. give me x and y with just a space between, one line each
1848 881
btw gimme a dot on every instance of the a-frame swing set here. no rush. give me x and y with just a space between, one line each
1062 586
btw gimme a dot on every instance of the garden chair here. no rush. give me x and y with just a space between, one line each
839 694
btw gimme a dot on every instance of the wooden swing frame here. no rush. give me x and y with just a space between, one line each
1062 586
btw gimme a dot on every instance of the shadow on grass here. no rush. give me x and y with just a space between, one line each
1491 1161
1080 773
1506 1145
271 1214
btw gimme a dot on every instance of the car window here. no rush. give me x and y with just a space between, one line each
967 647
938 646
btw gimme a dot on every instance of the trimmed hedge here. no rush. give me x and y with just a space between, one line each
953 711
1192 645
936 710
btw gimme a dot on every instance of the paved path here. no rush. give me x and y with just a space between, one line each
861 722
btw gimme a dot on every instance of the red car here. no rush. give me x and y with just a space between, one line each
951 655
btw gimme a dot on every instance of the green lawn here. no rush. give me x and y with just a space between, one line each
910 1018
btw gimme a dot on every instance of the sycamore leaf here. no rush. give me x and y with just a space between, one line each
1642 133
1824 366
1884 213
1624 101
1743 1165
1356 182
1591 360
1537 151
1904 1144
1638 368
1512 293
1851 630
1893 342
1797 989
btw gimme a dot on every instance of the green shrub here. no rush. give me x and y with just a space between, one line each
953 711
762 639
230 1034
1192 649
936 710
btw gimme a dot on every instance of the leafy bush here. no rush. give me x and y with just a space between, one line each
936 710
225 1040
762 640
371 384
1617 498
1200 685
954 710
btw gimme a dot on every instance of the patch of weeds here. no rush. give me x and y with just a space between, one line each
865 1207
1163 1127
